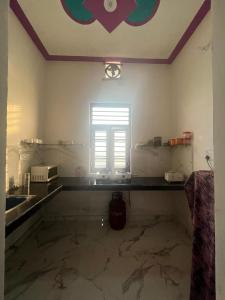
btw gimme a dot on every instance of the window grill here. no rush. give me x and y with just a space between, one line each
110 138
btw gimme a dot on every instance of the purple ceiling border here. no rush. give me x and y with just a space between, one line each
204 9
104 59
28 27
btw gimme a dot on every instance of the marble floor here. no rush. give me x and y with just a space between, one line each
70 260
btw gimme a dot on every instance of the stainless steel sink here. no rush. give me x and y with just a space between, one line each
16 200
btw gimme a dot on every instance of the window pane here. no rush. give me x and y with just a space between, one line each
110 142
109 108
120 149
110 115
100 149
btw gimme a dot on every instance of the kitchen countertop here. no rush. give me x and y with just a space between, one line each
19 214
133 184
45 191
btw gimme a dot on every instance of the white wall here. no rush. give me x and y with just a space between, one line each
192 103
192 97
3 109
219 139
71 87
26 76
25 96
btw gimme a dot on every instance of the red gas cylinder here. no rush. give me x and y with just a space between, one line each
117 211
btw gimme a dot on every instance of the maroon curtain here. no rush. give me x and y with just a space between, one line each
200 193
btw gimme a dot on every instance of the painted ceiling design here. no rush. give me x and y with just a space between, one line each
141 31
110 13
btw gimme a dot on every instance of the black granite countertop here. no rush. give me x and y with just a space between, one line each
42 191
133 184
45 191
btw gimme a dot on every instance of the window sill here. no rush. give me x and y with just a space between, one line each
115 176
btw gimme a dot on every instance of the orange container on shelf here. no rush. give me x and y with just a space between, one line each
179 141
172 142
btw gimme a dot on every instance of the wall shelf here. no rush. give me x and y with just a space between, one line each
142 147
61 145
48 144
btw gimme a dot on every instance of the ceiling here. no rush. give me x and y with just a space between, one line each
58 36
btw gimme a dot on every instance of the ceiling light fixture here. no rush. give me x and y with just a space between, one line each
110 5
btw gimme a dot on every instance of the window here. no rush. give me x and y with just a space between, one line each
110 138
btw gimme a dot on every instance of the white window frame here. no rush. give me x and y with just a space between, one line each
110 129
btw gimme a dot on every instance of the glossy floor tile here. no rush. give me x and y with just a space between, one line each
70 260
